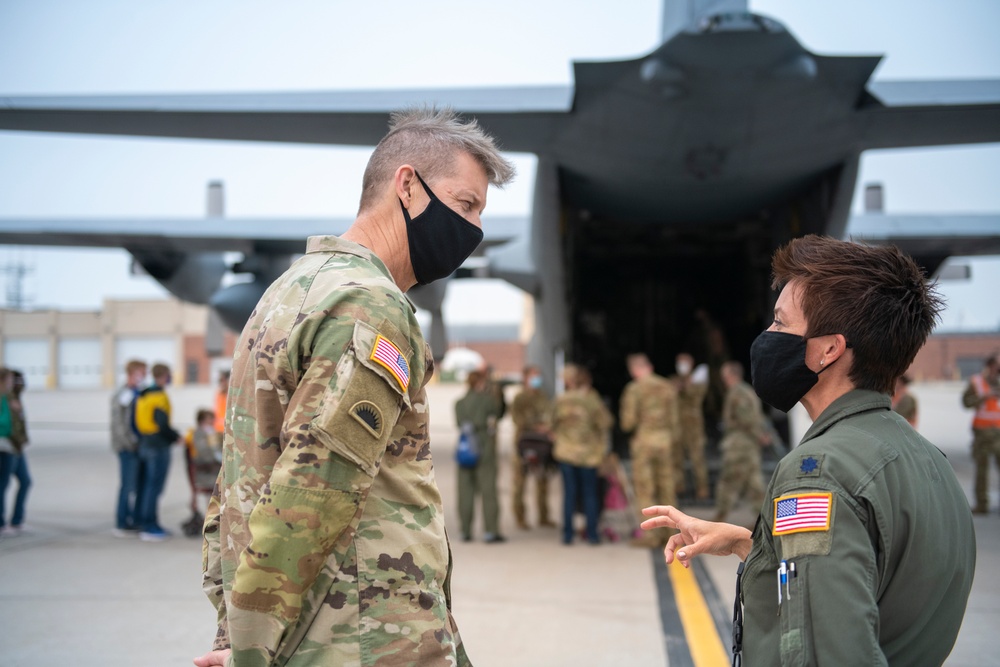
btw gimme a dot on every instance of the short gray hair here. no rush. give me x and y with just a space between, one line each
429 140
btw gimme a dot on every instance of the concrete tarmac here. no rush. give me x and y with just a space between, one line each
72 594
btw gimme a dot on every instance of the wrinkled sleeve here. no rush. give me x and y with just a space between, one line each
744 415
603 417
628 412
674 417
335 430
831 614
211 564
971 397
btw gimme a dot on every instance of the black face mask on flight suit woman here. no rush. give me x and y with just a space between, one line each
778 369
440 239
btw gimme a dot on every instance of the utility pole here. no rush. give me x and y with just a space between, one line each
16 272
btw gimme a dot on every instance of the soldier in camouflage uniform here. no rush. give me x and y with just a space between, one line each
325 541
743 424
983 394
580 426
691 444
648 410
530 413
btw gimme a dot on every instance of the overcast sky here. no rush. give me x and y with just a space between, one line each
52 46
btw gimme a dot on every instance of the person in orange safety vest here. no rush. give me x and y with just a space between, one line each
983 394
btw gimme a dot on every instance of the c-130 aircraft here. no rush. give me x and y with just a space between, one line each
663 183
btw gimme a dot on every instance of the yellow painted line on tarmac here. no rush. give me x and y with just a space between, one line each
699 627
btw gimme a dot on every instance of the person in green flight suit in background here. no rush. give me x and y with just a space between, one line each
477 412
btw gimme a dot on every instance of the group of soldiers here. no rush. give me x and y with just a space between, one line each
665 419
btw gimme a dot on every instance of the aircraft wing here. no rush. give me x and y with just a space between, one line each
931 238
253 235
524 117
904 114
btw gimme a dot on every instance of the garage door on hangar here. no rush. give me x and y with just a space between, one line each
31 357
151 349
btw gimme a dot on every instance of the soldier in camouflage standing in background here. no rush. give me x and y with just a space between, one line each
530 413
648 411
743 424
325 541
691 444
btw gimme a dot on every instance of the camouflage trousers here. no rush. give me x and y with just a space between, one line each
985 444
741 474
521 474
653 482
691 447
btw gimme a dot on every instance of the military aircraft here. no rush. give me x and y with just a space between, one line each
663 182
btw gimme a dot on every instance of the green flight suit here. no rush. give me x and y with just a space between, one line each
886 583
481 409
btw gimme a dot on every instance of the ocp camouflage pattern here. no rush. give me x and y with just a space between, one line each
649 411
325 541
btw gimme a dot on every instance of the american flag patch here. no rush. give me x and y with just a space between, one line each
389 356
802 512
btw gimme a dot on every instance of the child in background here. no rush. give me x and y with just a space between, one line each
204 458
617 517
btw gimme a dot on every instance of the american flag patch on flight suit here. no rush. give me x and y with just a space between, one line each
802 512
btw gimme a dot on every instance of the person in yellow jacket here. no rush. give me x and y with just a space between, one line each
983 394
152 420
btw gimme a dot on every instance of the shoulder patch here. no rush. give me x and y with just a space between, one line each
369 416
802 513
388 355
809 466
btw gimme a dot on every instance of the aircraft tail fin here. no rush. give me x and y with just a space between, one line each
680 15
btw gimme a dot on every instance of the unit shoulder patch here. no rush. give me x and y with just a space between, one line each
802 513
369 416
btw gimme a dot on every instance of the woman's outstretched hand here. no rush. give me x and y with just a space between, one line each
696 536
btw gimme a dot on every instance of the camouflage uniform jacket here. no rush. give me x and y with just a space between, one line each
741 413
580 423
691 407
124 437
530 409
325 541
649 411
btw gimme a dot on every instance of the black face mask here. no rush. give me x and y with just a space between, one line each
440 239
778 369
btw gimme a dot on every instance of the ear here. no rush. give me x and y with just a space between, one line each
833 348
404 180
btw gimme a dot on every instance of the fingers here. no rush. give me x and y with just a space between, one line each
664 516
212 659
671 553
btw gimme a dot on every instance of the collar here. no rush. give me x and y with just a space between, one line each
852 403
335 244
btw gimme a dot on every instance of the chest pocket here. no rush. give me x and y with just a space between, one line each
361 408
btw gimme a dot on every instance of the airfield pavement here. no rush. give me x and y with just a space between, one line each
71 594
